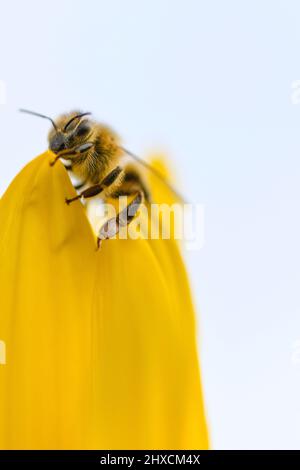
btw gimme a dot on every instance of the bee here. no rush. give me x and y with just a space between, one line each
93 152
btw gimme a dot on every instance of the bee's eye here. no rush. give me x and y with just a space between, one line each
83 129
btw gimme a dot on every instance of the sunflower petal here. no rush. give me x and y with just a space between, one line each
100 346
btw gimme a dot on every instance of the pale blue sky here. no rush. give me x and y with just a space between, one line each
209 82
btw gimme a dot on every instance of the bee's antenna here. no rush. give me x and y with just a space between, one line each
156 172
78 116
39 115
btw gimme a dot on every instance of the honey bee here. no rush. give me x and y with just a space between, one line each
93 153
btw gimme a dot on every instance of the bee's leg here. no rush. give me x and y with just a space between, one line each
98 188
112 226
69 154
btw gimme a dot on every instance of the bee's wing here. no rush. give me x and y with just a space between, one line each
157 173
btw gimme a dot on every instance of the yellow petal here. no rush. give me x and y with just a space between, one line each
100 346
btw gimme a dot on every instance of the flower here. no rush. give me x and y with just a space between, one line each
100 346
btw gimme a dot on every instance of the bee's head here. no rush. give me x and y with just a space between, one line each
69 130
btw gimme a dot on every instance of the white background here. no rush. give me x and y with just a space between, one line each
210 82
